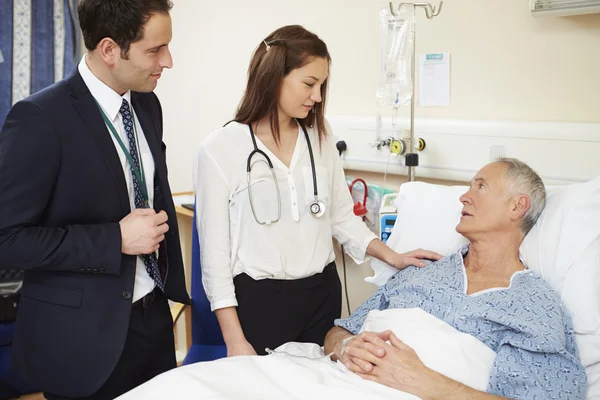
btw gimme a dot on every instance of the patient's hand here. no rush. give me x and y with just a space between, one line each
400 368
361 352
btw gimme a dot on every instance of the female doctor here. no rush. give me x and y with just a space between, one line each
270 194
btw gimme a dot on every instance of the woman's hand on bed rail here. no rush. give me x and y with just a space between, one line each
233 335
382 252
241 348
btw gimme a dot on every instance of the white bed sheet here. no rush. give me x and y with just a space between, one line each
309 374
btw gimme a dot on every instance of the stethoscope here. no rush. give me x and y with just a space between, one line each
317 207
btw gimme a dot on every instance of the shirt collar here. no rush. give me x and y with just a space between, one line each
109 100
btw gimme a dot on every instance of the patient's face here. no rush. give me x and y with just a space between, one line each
486 205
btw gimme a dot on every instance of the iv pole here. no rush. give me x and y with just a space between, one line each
411 158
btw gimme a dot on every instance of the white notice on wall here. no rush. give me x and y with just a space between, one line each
434 82
1 57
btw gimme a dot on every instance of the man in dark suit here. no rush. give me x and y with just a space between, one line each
86 211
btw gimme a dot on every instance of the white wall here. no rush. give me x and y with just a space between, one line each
506 65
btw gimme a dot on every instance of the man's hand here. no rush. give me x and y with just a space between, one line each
415 257
362 352
400 368
142 231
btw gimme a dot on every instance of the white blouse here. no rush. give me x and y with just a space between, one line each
299 245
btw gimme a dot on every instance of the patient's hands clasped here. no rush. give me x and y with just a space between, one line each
360 353
385 359
399 367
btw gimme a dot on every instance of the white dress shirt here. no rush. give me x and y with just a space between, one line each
111 101
299 245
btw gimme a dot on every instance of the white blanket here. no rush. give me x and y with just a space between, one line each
302 371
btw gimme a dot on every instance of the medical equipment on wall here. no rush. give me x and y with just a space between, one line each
398 146
360 208
341 147
374 195
387 214
317 207
398 31
563 8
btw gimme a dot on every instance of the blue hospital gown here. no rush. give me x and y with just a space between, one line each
525 324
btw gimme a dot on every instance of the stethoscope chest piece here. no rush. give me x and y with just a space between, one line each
317 208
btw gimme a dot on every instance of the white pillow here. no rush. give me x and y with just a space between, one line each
563 247
427 218
593 375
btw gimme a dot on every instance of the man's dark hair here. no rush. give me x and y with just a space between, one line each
121 20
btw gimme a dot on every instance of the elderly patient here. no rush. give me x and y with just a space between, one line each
483 290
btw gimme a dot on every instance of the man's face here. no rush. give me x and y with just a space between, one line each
147 57
487 204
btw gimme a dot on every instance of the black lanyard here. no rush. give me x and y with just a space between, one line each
139 173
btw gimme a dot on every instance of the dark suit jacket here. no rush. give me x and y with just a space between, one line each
62 195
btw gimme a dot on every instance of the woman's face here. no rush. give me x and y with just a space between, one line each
301 89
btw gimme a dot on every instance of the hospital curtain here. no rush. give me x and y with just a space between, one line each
39 42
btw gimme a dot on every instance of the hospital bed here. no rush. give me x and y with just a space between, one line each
563 247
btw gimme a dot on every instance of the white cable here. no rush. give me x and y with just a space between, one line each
269 351
386 171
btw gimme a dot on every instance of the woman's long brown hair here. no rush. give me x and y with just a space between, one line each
290 47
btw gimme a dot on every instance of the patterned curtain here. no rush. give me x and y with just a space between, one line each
39 45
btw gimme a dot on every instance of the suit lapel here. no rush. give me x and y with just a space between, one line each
88 111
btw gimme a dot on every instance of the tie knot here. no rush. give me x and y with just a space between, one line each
125 108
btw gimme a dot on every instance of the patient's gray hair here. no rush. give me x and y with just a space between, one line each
524 180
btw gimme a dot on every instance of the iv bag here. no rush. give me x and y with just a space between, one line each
397 43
